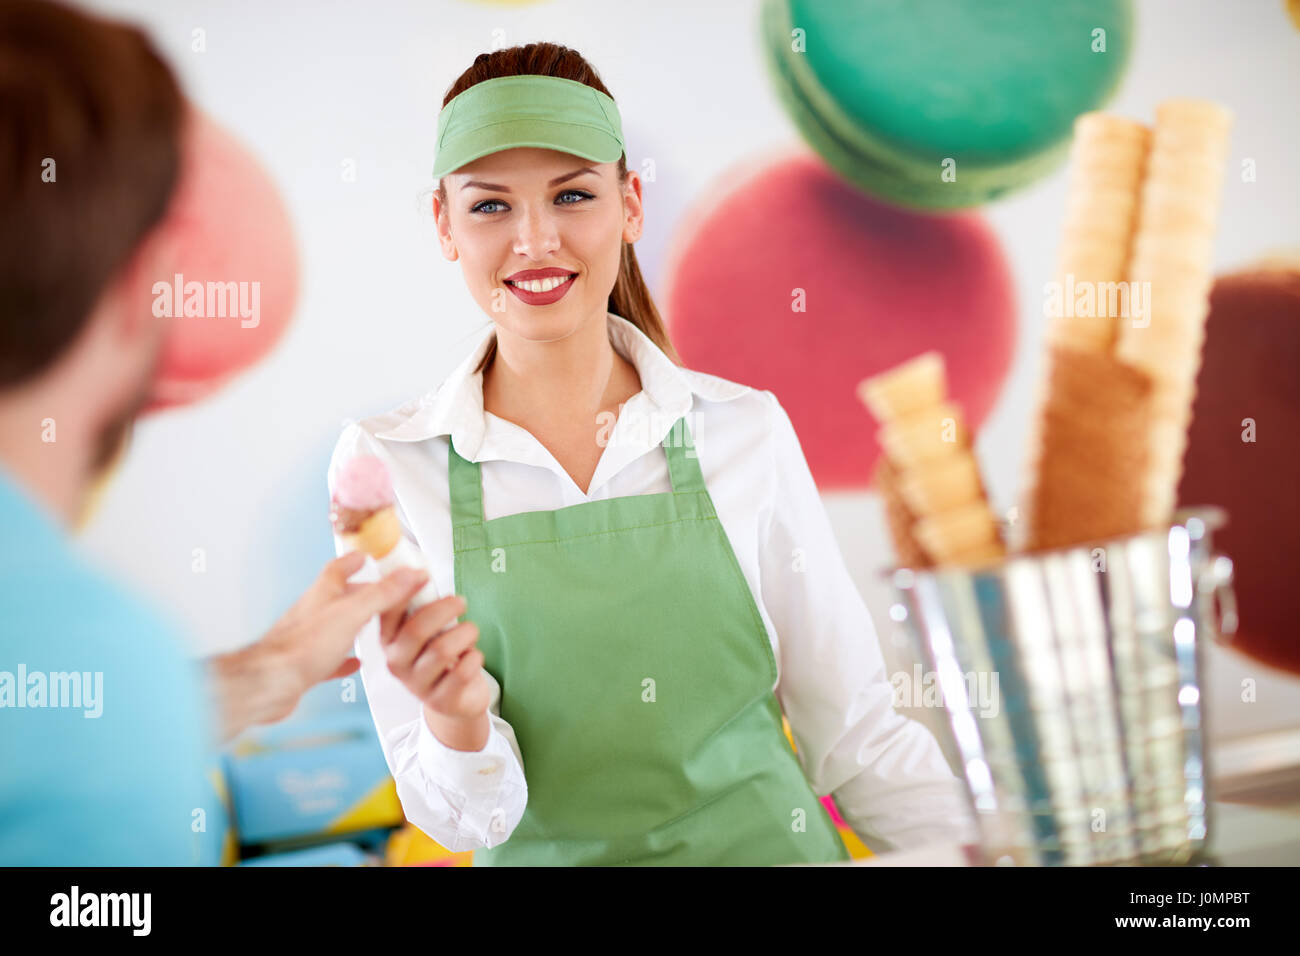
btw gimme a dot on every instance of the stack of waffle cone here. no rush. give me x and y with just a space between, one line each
899 518
935 502
1107 159
1172 251
1091 447
1114 401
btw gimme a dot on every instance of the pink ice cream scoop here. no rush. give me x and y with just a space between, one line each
363 512
364 484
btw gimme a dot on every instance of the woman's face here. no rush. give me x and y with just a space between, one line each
529 209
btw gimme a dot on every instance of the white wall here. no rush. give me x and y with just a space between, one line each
310 84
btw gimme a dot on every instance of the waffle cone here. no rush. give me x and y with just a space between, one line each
377 535
1086 471
899 518
909 387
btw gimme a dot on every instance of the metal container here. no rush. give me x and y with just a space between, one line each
1093 750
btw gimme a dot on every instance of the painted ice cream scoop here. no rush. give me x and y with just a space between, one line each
363 490
364 515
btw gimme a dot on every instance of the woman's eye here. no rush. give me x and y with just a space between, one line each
582 194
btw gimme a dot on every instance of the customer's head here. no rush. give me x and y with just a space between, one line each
523 208
91 122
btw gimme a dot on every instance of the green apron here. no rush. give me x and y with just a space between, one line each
637 676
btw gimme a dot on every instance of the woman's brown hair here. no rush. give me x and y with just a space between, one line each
630 297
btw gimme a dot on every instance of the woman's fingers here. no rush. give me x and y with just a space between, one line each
440 655
432 618
417 630
447 694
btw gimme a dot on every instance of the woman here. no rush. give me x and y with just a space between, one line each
613 695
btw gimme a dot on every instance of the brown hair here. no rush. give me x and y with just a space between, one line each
90 130
630 297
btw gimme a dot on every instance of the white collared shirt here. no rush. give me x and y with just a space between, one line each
887 773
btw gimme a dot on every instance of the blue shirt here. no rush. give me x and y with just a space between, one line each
115 774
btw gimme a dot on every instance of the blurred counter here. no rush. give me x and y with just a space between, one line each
1255 813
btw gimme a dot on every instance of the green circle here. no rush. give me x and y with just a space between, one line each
892 94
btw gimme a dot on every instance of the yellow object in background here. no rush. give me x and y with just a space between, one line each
857 849
229 855
378 808
411 846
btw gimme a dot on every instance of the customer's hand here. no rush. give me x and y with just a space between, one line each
312 642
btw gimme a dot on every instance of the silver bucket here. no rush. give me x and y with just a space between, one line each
1093 751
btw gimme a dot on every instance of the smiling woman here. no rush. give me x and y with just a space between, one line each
534 286
630 296
631 604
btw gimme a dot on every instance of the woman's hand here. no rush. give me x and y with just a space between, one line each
440 665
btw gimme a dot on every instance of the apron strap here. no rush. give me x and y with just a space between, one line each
466 490
465 484
683 463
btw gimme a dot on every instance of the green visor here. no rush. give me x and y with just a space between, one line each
530 110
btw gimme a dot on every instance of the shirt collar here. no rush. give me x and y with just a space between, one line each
456 407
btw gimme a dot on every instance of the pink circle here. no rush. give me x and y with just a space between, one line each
876 284
236 269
